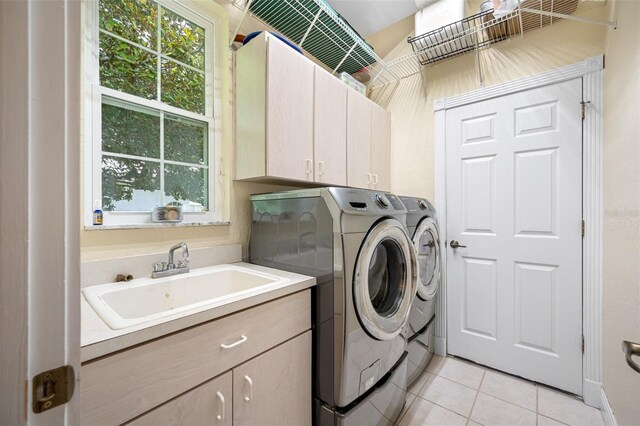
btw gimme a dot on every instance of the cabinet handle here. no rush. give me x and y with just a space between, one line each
221 399
320 168
369 178
249 395
243 339
375 179
309 167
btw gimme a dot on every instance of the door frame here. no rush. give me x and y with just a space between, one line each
591 72
40 76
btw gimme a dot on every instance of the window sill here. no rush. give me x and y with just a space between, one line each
153 225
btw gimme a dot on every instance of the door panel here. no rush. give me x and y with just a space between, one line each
330 129
380 147
290 112
514 198
275 387
479 297
358 140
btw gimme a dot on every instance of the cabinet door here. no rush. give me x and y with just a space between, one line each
275 387
358 140
330 129
289 113
380 147
208 404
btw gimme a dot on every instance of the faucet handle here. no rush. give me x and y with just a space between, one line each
156 267
183 263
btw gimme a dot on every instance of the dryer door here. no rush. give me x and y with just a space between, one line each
426 241
384 282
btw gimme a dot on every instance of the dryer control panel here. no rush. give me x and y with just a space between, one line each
367 202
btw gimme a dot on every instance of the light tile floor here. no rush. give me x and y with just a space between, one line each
455 392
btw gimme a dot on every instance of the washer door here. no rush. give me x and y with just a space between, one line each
384 282
426 241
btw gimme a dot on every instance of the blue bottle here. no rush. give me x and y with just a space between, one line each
97 213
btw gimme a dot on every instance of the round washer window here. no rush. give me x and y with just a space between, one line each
385 280
427 247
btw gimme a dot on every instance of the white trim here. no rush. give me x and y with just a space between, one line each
558 75
592 211
214 31
441 203
590 71
607 412
591 392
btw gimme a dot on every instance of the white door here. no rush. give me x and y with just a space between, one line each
514 199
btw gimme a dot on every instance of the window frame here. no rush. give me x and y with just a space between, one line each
94 93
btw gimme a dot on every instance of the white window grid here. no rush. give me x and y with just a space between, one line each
96 93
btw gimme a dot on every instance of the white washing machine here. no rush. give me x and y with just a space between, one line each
355 243
422 226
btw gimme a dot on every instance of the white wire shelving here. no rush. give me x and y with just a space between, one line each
315 27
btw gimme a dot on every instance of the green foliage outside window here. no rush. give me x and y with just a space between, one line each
151 52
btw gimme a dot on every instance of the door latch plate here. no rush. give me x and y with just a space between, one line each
53 388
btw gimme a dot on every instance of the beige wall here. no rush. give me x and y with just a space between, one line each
622 210
412 149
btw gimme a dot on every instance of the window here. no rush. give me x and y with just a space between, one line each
152 138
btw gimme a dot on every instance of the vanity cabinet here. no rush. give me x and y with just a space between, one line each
200 372
368 144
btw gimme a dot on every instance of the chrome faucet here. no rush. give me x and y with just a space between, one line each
166 269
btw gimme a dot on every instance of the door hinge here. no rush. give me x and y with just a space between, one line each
53 388
583 108
583 344
583 228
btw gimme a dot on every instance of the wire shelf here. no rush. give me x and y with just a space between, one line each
315 27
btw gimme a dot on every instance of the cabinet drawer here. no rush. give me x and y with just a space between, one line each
119 387
208 404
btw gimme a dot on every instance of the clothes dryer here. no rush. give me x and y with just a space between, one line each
422 226
355 243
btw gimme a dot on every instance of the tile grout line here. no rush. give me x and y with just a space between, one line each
477 393
537 404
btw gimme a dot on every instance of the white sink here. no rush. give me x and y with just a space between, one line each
123 305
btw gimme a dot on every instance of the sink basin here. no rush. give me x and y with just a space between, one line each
143 300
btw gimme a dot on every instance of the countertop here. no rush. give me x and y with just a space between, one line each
98 339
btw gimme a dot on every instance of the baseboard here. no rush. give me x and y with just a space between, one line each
440 346
592 393
607 412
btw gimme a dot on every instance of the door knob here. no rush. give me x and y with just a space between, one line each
455 244
630 349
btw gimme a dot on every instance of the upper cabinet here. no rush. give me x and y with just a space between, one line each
380 147
368 144
295 121
330 129
274 111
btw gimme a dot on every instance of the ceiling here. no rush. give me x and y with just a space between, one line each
370 16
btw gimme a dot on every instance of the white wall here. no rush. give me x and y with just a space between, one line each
622 210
